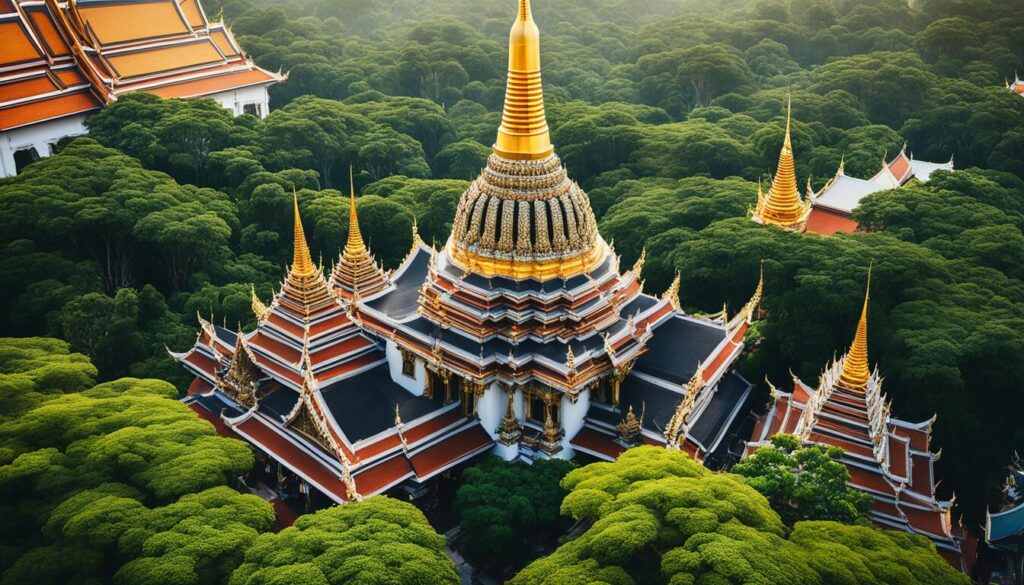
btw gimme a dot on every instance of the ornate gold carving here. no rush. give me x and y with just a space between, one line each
629 428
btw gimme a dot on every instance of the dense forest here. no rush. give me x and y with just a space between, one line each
667 111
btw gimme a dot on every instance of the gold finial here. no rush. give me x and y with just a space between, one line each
354 245
523 134
302 262
855 368
258 308
842 165
672 294
782 205
639 266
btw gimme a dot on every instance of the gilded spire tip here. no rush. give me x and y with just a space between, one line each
302 262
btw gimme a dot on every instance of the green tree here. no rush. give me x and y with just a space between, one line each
804 483
376 541
658 517
502 505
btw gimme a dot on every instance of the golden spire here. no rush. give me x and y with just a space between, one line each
302 262
855 368
354 245
523 134
782 205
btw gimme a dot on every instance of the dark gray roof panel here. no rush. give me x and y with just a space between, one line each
364 405
400 302
677 347
279 403
717 416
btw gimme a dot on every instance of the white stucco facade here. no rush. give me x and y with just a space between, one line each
42 137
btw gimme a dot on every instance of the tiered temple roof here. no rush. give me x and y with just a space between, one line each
888 458
832 207
356 274
782 206
370 380
60 59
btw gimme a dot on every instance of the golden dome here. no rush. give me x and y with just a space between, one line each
523 217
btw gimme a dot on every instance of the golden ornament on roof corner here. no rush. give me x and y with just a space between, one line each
782 205
855 367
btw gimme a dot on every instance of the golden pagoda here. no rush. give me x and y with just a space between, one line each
782 206
356 272
523 217
855 366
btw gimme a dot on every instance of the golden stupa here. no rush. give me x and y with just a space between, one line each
523 217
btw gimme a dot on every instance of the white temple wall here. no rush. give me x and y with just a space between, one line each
572 421
490 408
414 385
236 100
41 136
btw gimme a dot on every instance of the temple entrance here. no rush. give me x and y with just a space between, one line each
25 157
442 389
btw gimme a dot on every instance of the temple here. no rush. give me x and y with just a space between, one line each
1017 86
1004 530
888 458
60 61
520 337
782 206
832 207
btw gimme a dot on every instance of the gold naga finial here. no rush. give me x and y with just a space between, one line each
855 367
672 294
523 134
302 262
842 165
258 308
639 266
354 244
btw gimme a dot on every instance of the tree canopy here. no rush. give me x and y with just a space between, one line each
658 517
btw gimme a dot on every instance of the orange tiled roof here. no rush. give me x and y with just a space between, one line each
220 37
46 30
826 223
16 46
27 87
165 47
123 22
48 109
193 13
163 59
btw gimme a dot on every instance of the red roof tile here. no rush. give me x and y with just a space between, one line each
825 223
446 452
590 440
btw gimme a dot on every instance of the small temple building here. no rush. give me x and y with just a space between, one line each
1004 530
783 206
888 458
1017 86
522 336
60 61
832 207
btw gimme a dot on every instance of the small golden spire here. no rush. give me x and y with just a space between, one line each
523 134
782 205
354 245
302 262
855 367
